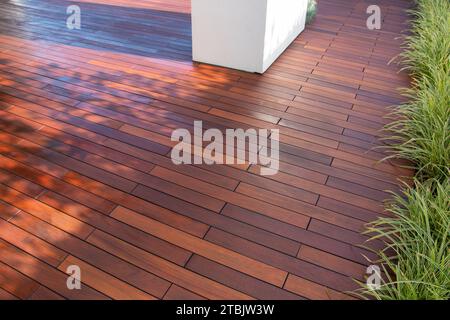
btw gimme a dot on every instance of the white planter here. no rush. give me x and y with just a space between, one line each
247 35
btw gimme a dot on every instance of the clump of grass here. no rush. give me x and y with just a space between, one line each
416 260
428 46
311 11
423 127
422 131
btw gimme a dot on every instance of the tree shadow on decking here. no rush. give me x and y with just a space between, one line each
134 99
41 225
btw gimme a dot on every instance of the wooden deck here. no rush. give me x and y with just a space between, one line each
86 177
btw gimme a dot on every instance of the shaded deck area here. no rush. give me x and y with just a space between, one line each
86 177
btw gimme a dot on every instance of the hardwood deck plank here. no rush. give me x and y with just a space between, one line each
220 221
176 274
122 270
59 201
5 295
312 290
298 234
237 199
300 267
42 293
44 212
177 293
15 283
43 273
259 270
257 288
104 282
31 244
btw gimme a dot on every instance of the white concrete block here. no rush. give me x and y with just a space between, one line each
247 35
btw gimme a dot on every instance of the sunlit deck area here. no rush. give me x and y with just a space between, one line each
86 177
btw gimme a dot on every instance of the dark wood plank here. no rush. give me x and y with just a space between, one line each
237 280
